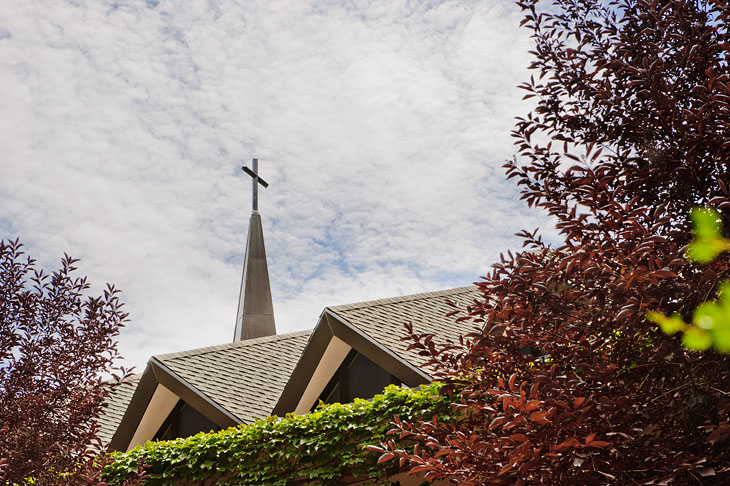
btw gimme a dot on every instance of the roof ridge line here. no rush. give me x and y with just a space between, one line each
235 344
402 298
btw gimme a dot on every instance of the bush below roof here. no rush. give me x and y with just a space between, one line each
322 447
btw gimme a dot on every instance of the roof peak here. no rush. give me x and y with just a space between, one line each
403 298
233 345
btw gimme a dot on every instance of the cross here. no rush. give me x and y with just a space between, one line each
256 181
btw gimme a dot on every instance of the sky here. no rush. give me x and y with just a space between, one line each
381 127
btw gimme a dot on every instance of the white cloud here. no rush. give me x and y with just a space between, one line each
381 126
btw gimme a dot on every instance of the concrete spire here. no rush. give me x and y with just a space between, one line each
255 316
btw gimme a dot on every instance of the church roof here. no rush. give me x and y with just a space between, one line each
375 328
383 319
243 381
232 383
244 377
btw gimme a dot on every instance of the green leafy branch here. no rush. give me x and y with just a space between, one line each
710 325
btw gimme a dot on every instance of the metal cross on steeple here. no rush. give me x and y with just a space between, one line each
256 181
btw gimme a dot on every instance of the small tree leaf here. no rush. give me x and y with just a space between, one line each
707 223
669 325
696 338
721 338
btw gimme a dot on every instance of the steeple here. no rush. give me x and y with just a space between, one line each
255 317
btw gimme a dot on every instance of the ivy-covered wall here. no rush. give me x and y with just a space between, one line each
323 447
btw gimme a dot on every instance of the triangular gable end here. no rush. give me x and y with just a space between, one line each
373 329
227 384
331 342
158 392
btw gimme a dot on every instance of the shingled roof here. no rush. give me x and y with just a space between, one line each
244 377
114 407
251 379
374 329
382 320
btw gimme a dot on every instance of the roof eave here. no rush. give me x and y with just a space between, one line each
330 325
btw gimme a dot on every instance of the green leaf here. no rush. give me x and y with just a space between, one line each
704 250
721 339
724 297
714 317
707 223
708 314
708 242
669 325
696 338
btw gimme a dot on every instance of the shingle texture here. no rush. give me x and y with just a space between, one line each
383 319
115 406
246 377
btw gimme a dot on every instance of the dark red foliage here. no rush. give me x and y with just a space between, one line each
564 381
56 344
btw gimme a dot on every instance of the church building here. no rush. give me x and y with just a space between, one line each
353 351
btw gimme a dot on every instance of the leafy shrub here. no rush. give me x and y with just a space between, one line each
323 446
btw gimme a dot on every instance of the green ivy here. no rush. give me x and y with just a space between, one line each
323 446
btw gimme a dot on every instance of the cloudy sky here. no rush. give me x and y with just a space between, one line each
381 126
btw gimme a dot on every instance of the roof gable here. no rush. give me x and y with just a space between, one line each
374 329
229 384
244 377
383 319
